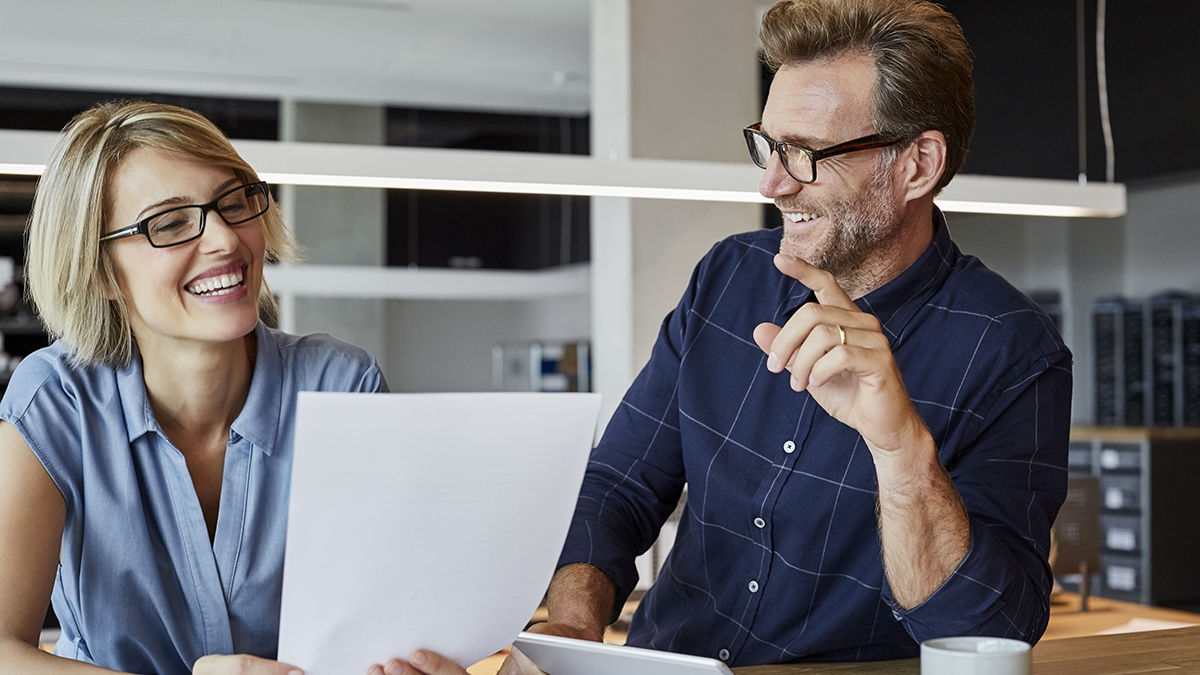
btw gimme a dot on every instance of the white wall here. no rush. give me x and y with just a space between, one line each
447 345
694 85
669 239
1163 238
667 84
338 226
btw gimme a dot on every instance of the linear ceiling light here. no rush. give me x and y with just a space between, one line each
21 169
513 187
1033 197
533 173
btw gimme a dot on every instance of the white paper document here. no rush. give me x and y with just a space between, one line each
1138 625
425 521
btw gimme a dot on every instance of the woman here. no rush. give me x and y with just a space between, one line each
145 456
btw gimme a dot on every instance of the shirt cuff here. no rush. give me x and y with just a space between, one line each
601 547
974 599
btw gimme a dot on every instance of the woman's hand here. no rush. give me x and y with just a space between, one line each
241 664
420 663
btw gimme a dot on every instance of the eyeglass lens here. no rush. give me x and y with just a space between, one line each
183 224
797 163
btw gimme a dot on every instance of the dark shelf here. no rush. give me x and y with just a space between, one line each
20 325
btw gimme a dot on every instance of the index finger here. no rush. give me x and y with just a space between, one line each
822 283
213 664
526 666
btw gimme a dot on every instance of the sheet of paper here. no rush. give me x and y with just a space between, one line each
428 521
1139 625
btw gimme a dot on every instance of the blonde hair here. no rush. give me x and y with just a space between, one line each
923 61
67 270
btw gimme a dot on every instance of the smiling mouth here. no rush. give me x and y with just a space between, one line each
801 217
216 286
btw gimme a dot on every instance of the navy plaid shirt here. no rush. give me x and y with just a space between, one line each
777 557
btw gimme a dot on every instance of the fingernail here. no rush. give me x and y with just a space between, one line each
419 659
773 363
796 384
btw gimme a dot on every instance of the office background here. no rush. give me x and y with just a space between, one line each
522 75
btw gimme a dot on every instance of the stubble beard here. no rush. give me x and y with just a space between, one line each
857 227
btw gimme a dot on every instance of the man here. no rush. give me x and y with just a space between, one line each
872 427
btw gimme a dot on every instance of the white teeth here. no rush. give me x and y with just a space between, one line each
213 284
800 217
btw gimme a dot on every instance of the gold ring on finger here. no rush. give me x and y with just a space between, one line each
842 334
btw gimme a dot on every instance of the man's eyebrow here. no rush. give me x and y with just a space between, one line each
181 201
807 142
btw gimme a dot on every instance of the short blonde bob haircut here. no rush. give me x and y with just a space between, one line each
67 269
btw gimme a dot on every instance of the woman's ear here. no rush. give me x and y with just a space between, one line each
924 163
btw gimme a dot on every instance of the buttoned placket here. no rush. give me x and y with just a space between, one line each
235 484
786 454
202 563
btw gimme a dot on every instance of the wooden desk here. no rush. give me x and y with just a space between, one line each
1175 650
898 667
1062 649
1105 614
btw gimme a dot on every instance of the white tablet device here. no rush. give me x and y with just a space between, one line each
564 656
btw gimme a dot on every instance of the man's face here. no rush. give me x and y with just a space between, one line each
837 222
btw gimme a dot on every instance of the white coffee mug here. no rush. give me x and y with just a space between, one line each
975 656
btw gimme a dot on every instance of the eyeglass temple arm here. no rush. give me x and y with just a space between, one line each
136 228
868 143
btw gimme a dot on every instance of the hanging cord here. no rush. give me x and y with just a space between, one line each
1081 83
1102 77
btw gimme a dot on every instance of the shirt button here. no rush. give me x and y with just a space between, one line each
753 586
760 523
723 654
789 447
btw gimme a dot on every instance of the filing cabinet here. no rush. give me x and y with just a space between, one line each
1149 505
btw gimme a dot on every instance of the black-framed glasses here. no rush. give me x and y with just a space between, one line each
182 224
801 162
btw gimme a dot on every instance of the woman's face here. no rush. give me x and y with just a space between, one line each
202 291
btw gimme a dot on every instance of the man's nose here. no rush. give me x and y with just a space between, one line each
776 181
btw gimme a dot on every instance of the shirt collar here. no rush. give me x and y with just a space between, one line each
896 302
139 419
260 417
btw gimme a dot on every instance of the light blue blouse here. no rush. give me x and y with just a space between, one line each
139 587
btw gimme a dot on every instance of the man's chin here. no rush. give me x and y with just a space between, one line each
797 248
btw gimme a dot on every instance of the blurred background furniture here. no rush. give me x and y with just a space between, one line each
1148 506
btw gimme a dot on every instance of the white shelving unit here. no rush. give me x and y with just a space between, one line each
350 165
392 283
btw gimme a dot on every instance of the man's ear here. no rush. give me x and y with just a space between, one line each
923 162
